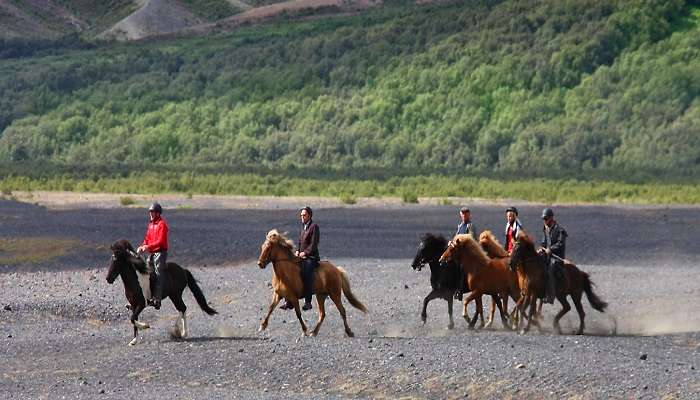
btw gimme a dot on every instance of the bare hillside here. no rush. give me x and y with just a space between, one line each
155 17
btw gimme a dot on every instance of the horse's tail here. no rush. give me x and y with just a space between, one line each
198 295
354 301
596 302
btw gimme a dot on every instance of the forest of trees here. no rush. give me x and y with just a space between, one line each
547 88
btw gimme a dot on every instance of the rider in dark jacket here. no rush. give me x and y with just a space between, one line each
554 247
308 252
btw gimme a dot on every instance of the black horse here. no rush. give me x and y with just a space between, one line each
139 282
444 279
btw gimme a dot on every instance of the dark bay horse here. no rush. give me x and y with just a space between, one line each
138 279
329 281
444 279
484 275
531 266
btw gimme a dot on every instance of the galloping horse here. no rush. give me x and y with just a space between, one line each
444 279
484 275
531 266
139 281
494 249
329 280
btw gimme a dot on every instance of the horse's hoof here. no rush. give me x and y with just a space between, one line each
450 326
350 334
261 328
132 342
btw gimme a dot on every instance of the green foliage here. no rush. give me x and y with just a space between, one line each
210 10
126 201
529 89
347 198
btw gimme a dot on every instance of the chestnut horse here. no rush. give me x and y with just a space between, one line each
329 281
494 249
484 275
531 266
138 279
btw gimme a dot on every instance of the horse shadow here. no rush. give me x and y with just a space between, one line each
207 339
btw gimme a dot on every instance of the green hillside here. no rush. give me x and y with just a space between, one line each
550 88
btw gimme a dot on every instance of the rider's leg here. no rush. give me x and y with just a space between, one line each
551 281
461 284
307 274
160 260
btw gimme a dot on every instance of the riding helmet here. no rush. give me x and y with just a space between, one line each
547 213
513 209
155 207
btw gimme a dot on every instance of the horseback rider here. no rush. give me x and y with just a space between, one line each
554 248
513 226
155 242
465 226
308 252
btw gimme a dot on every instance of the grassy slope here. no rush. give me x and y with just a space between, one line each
573 107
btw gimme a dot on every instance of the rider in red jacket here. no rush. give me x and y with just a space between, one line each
155 242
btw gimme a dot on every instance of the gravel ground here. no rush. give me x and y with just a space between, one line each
64 330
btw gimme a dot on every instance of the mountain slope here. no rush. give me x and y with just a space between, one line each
538 87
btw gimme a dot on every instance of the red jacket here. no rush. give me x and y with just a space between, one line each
156 238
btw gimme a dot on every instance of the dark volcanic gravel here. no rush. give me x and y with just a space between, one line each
64 330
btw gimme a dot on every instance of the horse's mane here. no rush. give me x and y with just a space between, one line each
276 237
431 238
469 244
123 247
490 241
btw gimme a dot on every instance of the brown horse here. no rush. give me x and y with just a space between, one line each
329 280
531 266
484 275
494 249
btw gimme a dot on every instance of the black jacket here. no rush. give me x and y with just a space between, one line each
555 240
308 240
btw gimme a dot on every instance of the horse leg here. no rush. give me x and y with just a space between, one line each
492 312
567 307
275 299
528 302
581 314
465 310
472 296
297 310
449 312
424 314
321 301
504 311
480 307
136 310
341 309
181 308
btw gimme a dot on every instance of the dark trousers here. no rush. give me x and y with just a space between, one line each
308 267
160 262
553 274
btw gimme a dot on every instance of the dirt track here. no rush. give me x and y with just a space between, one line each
63 330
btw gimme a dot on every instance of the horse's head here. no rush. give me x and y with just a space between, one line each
490 244
274 239
451 249
121 250
523 249
429 249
